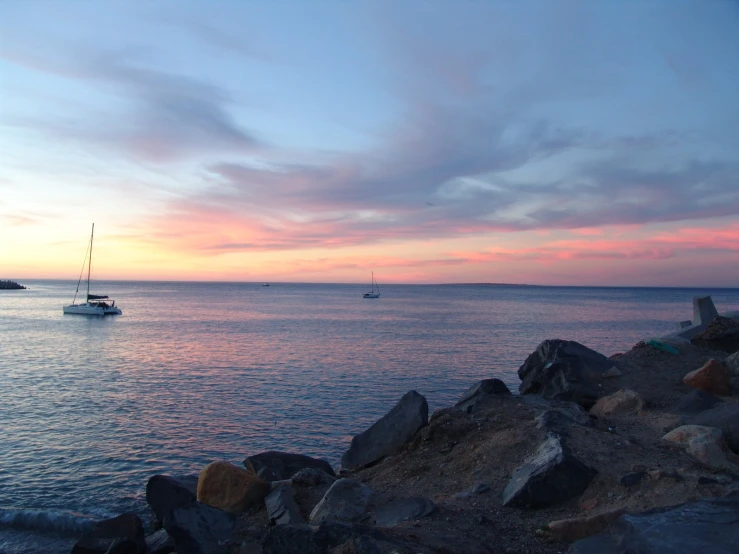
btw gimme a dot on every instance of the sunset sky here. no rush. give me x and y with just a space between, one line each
545 142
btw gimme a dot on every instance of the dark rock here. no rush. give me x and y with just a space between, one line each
389 433
558 421
267 474
403 509
198 528
701 526
281 506
346 500
695 402
163 493
721 334
284 464
564 370
551 476
100 539
292 539
159 543
312 477
480 391
725 417
633 479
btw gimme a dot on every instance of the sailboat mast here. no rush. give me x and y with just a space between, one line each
89 264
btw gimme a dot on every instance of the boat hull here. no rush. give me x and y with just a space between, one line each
371 295
90 309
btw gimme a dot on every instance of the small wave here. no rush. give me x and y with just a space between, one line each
67 523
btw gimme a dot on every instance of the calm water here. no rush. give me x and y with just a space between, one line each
191 372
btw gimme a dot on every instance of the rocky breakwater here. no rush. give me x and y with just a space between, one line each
595 454
10 285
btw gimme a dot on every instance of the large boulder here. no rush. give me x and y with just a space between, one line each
281 506
164 493
481 391
198 528
389 433
284 464
700 526
550 476
229 487
712 377
724 417
564 370
125 530
705 444
346 500
622 402
721 334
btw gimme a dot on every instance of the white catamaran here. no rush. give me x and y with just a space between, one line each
375 293
96 304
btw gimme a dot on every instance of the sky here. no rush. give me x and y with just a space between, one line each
436 141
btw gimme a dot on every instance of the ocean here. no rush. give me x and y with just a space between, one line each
91 407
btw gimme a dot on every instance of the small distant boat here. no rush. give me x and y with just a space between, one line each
375 293
95 304
265 284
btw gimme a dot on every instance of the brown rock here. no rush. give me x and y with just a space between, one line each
623 402
579 528
712 377
230 488
705 444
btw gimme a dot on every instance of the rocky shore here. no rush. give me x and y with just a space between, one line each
10 285
635 452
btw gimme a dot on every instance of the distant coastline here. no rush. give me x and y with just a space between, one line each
10 285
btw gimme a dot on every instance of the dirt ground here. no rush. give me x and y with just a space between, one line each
457 451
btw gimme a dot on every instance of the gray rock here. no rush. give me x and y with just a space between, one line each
284 464
480 391
551 476
694 402
122 530
725 417
311 477
198 528
163 493
722 333
159 543
389 433
281 506
732 364
403 509
347 500
564 370
701 526
612 372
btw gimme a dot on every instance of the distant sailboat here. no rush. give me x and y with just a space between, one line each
375 293
95 304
